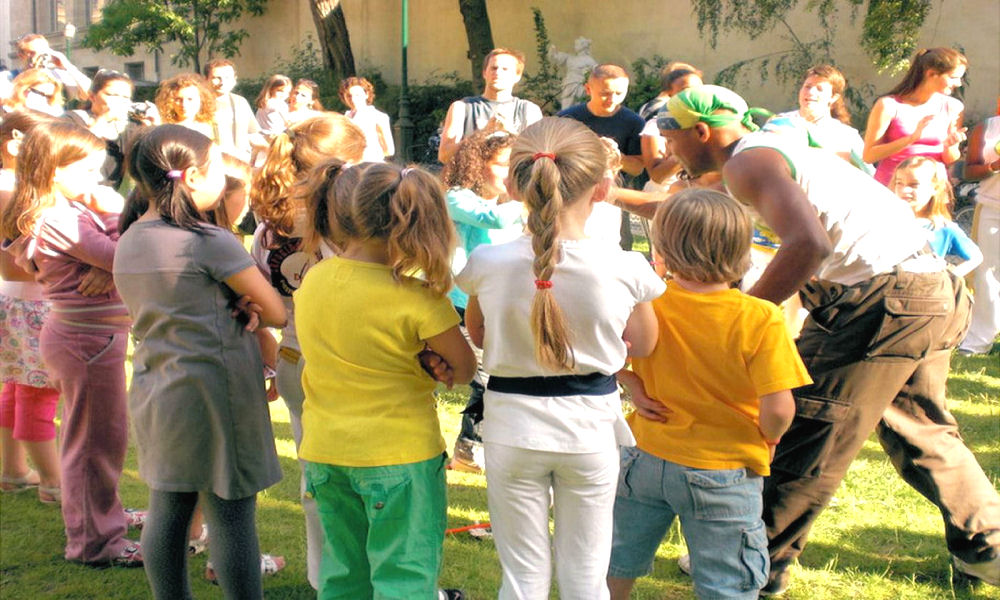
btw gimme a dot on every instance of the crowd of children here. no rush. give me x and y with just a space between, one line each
383 280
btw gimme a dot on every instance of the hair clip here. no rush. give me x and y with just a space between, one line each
405 172
538 155
499 134
543 284
174 174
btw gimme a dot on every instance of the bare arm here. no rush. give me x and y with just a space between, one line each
956 135
776 413
632 165
451 133
474 322
976 167
452 347
643 204
249 282
878 123
658 162
761 177
641 330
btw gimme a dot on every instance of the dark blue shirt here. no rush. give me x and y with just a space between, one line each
624 127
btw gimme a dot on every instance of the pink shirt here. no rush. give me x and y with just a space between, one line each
945 110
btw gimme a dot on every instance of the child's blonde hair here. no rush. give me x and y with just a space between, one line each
938 210
290 156
406 208
50 145
703 235
552 164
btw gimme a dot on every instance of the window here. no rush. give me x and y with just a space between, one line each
49 16
136 70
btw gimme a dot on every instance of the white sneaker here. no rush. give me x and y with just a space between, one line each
988 571
684 564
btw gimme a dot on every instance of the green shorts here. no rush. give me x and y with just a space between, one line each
384 528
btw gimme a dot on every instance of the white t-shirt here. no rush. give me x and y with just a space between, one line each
871 229
605 223
597 285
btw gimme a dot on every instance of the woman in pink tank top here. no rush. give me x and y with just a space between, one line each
918 117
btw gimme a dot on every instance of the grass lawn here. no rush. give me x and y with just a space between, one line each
879 538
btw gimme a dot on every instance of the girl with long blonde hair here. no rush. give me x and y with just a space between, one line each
375 458
556 314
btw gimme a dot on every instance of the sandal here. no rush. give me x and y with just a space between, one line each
130 556
135 518
269 565
199 544
49 495
28 481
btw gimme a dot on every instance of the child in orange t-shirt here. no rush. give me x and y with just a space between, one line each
711 402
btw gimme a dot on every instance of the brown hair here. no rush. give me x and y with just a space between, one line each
169 88
545 185
518 56
467 168
838 84
27 80
290 156
938 210
407 209
326 193
314 88
49 146
350 82
24 40
703 235
17 125
939 60
273 83
608 71
216 63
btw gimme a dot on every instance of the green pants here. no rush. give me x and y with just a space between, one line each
384 529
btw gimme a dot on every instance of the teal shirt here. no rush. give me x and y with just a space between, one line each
479 221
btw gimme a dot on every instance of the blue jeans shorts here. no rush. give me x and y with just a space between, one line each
720 513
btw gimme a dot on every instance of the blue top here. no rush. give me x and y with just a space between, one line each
624 127
950 240
479 221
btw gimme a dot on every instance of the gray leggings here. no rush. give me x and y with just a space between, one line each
232 544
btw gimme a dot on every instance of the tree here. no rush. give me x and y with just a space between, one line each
331 27
196 25
479 33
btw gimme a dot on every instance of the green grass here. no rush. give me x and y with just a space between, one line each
879 538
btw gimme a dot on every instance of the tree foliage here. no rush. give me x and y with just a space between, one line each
196 25
889 28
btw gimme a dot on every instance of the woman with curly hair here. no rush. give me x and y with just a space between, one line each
483 214
304 101
187 100
359 95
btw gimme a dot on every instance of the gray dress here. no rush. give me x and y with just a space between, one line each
197 398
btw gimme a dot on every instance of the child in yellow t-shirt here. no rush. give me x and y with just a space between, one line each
371 440
711 402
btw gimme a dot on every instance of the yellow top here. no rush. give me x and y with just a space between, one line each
717 354
367 400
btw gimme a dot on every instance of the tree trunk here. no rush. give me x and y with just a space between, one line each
477 29
331 28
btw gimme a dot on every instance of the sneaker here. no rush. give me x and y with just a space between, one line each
130 556
466 457
135 518
451 594
269 565
988 571
199 544
684 564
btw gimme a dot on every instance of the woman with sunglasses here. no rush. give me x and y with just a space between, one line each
38 90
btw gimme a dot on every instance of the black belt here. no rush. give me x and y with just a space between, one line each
591 384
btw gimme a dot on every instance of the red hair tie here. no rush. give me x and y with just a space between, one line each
543 284
538 155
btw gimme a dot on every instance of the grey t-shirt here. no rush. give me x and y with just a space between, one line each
197 399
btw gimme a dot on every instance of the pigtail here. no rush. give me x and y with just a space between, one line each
553 340
327 204
269 194
421 237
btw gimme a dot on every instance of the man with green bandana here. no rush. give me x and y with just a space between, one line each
884 317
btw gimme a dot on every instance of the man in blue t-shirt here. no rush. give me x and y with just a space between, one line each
607 87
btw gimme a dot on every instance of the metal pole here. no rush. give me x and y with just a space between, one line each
69 33
404 126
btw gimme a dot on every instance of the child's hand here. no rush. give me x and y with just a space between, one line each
649 408
246 310
437 367
96 282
